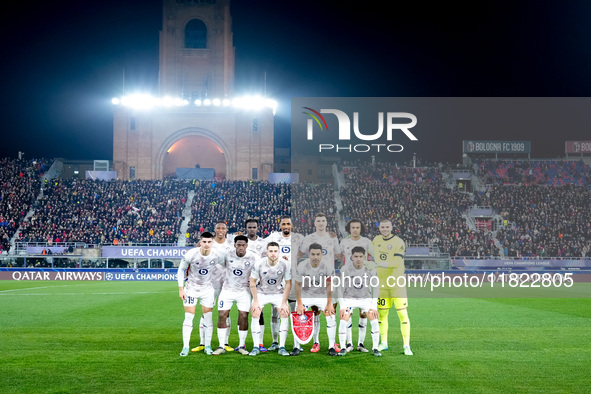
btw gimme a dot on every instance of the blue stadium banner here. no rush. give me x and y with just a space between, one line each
52 274
172 252
472 146
461 263
49 274
141 276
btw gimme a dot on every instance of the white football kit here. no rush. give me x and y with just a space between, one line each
348 244
330 246
314 282
220 273
270 281
288 251
360 288
236 282
201 271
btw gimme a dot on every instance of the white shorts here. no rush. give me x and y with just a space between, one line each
364 304
216 293
317 301
228 297
337 294
205 296
273 299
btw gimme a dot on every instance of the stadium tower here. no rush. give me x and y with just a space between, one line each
196 122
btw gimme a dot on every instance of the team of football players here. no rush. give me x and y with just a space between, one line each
252 272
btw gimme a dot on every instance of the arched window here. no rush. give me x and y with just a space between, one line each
196 34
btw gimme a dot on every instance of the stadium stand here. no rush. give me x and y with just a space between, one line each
535 172
99 212
235 201
527 208
20 181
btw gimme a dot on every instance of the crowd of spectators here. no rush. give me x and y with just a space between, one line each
544 221
310 199
19 186
422 209
534 172
107 212
545 206
235 201
393 175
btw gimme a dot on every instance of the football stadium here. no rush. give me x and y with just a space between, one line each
206 255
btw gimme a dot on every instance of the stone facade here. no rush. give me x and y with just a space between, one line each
196 63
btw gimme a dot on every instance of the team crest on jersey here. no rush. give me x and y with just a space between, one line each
302 326
259 247
247 263
389 247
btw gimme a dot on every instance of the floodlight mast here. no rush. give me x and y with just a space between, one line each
147 102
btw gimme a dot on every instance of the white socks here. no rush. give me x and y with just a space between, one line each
362 330
229 328
331 330
242 337
208 328
375 333
283 331
201 331
316 328
275 326
255 330
344 327
222 335
187 328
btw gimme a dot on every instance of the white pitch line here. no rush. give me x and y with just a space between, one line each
115 293
30 288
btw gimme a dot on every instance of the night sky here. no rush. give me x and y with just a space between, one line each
63 61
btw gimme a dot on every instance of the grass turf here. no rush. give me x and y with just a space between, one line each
126 337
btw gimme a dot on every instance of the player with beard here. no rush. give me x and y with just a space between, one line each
288 247
224 246
256 244
313 288
266 286
356 230
360 290
389 257
238 267
198 265
331 251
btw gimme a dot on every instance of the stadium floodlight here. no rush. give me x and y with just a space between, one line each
146 102
269 103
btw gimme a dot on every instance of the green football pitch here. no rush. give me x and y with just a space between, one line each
126 337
